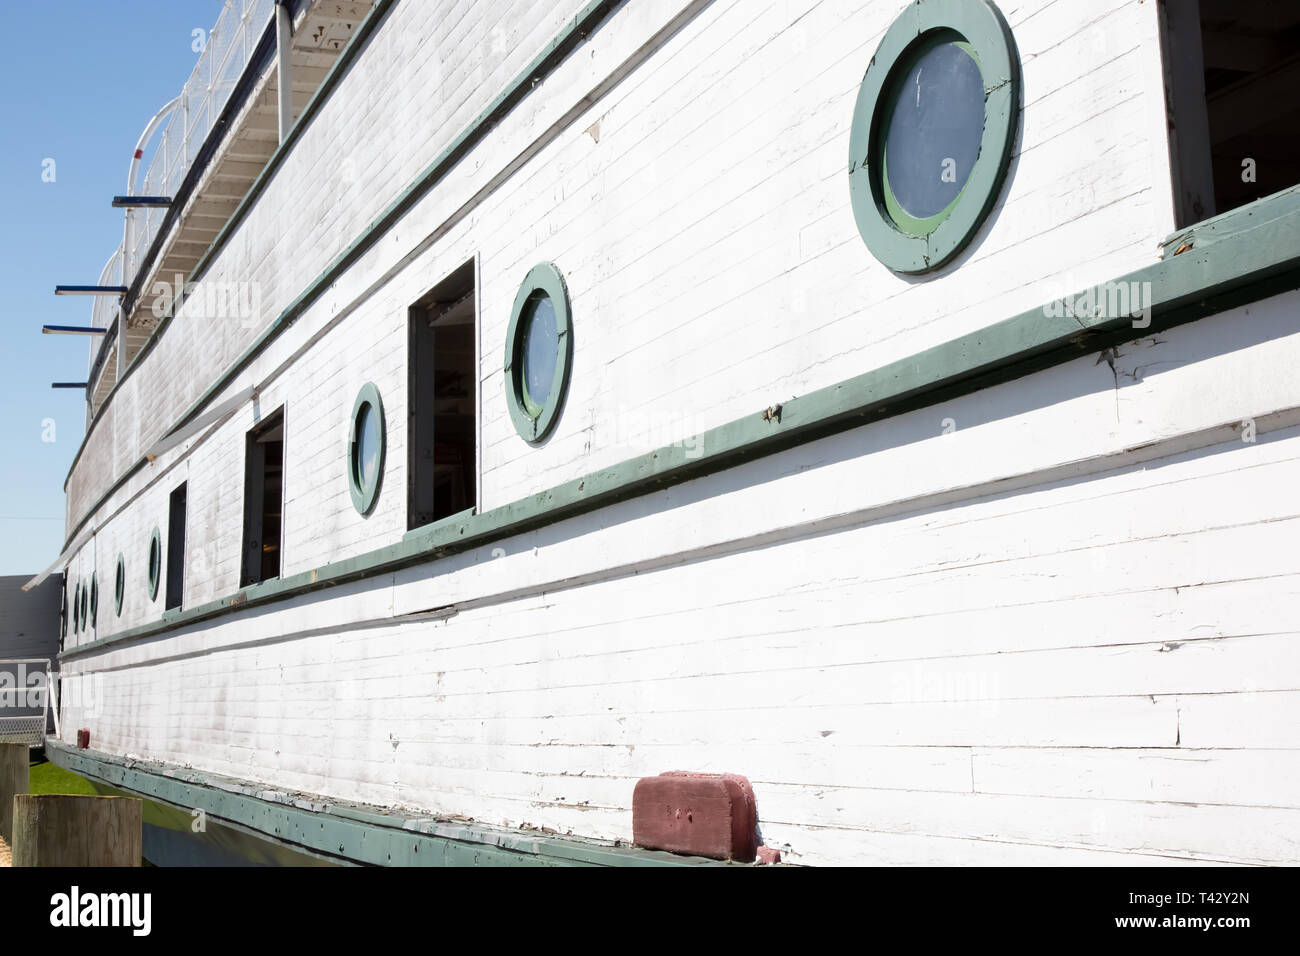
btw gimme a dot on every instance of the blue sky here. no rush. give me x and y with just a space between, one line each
78 82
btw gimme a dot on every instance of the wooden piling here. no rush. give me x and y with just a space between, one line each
62 830
14 759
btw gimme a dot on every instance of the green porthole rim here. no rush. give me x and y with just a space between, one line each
153 561
984 33
94 599
365 493
119 584
535 421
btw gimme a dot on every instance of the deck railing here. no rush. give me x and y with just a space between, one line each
226 53
229 48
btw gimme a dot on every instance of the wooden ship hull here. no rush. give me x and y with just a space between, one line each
956 562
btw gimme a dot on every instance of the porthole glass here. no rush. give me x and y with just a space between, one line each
539 352
154 563
85 601
933 136
932 132
366 448
119 585
367 445
94 599
76 609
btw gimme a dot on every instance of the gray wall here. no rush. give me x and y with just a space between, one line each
29 620
29 627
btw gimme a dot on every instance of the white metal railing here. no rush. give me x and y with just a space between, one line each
103 309
229 47
25 704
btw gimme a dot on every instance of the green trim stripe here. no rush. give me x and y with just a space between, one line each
1254 252
351 832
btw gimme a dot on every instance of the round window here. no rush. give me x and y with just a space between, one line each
366 448
932 132
76 608
119 585
85 600
539 352
94 599
155 563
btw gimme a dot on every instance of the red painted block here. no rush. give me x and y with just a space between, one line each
83 739
703 814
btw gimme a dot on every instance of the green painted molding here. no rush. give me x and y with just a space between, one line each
425 529
351 832
568 39
533 422
1255 254
981 25
364 495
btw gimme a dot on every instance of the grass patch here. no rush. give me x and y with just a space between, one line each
46 777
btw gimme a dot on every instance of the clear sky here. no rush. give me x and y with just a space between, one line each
79 80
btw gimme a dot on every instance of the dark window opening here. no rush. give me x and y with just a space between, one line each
63 613
176 548
443 391
1232 69
263 500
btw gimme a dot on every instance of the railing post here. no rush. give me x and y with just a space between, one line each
63 830
121 312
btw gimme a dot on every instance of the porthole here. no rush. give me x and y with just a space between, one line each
94 599
76 609
366 441
85 601
119 585
154 563
539 352
932 132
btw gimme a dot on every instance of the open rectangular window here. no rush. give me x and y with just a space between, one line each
442 450
1232 69
176 548
263 499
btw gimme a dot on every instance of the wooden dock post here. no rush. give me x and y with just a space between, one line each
14 759
62 830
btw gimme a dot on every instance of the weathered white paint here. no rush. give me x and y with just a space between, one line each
1063 633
